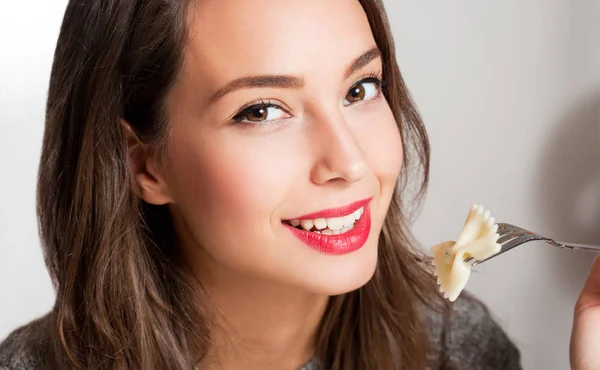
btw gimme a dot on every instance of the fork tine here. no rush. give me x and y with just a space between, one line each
510 236
510 227
505 226
508 232
518 241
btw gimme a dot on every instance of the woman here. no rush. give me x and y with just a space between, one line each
218 189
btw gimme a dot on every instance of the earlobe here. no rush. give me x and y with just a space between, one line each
146 177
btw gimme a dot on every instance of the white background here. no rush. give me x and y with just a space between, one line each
510 92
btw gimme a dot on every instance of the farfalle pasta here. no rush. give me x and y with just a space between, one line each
452 260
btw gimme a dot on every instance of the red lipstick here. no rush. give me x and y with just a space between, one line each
337 244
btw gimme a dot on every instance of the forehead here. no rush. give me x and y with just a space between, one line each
233 38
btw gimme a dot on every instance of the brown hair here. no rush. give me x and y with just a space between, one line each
122 300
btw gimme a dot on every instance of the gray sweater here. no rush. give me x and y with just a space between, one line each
469 340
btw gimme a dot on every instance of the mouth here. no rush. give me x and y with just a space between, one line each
334 231
329 225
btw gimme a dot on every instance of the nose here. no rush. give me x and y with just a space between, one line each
340 157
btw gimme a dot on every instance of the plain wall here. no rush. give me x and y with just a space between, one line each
510 93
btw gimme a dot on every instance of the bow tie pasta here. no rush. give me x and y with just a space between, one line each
452 260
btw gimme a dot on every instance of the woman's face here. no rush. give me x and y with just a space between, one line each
278 118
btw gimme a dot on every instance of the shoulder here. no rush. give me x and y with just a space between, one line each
27 347
468 337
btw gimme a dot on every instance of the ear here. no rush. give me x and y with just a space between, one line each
147 176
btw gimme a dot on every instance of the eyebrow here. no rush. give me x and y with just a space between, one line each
275 81
363 60
287 81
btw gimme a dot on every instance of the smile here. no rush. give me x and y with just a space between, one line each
329 226
334 231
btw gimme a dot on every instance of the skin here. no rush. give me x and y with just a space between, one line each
229 185
585 337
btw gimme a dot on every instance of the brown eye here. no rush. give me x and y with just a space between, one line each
356 93
260 113
366 89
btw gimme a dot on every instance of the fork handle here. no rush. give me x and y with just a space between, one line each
575 246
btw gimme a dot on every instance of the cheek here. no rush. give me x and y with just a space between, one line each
378 135
381 143
228 187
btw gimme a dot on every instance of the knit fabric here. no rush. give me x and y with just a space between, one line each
468 339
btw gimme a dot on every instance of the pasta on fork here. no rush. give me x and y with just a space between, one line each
452 260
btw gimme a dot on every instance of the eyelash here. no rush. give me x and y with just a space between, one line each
259 104
376 78
239 117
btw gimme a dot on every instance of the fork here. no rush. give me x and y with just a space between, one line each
512 236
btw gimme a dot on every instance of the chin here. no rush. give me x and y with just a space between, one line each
343 274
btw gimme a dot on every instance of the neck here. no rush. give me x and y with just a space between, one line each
259 324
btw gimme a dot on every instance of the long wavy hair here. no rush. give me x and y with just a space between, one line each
123 300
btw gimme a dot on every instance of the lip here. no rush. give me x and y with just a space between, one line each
342 243
335 212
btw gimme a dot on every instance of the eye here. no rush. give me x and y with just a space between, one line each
260 113
366 89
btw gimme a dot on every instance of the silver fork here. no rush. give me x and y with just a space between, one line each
512 236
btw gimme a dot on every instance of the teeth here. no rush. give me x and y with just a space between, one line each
358 213
349 220
307 224
335 223
345 229
330 226
320 223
